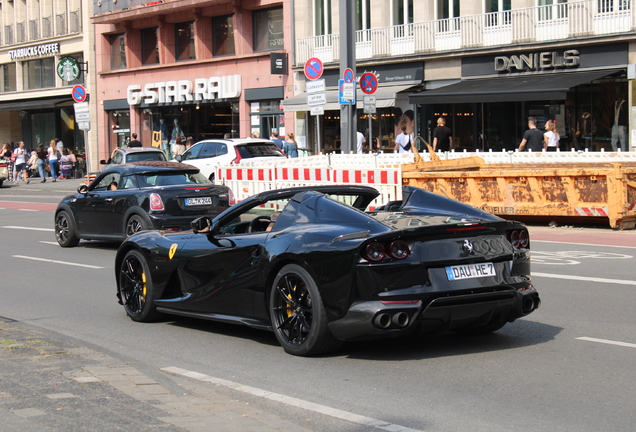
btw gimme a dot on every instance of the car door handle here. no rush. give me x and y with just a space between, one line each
108 199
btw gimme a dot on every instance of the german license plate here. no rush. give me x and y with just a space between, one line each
198 201
470 271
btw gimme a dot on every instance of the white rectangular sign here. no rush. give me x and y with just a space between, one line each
81 107
347 91
315 86
85 126
316 99
317 110
368 109
369 100
82 116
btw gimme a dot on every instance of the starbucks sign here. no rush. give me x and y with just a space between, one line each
68 69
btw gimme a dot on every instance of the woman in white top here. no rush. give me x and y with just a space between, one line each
53 159
551 137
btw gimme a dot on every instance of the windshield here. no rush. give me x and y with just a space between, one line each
145 156
171 179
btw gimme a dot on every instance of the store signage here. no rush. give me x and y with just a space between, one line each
203 89
537 61
68 69
35 50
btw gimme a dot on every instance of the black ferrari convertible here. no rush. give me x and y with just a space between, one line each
311 265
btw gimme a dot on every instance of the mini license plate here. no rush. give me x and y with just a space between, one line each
198 201
470 271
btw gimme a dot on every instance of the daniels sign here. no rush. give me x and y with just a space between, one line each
204 89
537 61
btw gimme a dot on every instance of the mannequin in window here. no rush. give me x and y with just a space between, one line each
163 128
176 132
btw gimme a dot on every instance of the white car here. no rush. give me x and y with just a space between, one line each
206 154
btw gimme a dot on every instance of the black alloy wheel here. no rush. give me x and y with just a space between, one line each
135 224
135 288
298 315
64 230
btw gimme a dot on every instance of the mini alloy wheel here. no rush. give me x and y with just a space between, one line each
65 231
134 225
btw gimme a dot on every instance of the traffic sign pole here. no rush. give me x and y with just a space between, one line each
347 61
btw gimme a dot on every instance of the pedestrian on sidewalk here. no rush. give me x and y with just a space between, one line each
20 163
67 162
42 154
54 157
551 137
442 136
533 137
290 147
6 155
134 142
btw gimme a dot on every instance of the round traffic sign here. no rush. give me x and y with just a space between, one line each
313 68
348 75
78 93
368 83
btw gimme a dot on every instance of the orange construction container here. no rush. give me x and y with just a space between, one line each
528 191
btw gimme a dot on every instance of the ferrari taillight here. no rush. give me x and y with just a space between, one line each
232 200
374 251
156 203
399 249
518 238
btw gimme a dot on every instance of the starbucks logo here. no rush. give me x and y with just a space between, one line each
68 69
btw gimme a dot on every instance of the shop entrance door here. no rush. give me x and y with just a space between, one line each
269 123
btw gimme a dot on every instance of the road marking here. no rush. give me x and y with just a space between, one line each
608 342
288 400
51 243
584 278
57 262
583 244
28 228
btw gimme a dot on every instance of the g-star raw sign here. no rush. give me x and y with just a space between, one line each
537 61
204 89
35 50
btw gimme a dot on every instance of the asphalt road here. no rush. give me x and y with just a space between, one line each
567 367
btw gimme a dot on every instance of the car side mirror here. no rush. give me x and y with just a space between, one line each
178 158
83 189
102 162
201 225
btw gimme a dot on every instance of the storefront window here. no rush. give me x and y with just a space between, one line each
184 41
223 28
149 46
39 73
8 83
117 51
120 128
43 130
268 30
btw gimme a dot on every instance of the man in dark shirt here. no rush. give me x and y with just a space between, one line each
135 142
442 139
533 137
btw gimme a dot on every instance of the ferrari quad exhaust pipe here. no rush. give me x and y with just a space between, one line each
537 303
528 305
400 319
382 320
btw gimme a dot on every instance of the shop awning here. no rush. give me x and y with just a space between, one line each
32 104
384 98
553 86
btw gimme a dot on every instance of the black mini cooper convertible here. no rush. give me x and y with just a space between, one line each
312 266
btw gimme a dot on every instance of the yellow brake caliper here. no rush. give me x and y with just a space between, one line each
143 279
290 312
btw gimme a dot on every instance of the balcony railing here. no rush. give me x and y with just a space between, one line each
537 24
8 34
60 24
33 30
21 31
76 21
47 28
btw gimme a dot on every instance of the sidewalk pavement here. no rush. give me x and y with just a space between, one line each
53 383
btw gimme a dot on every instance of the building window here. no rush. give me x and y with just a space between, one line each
268 30
149 46
402 12
118 51
322 17
551 9
184 41
223 42
39 73
363 14
448 16
497 12
8 83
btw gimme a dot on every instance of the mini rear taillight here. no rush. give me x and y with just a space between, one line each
374 252
399 249
238 157
156 203
232 200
